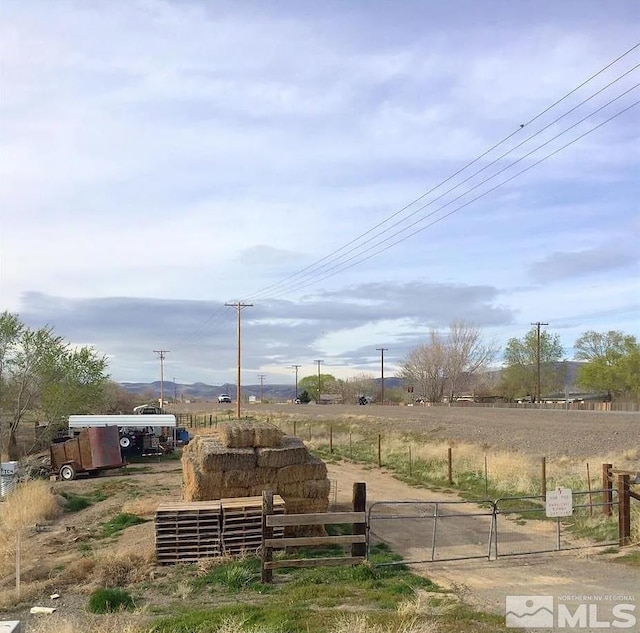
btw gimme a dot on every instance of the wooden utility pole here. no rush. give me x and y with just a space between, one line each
296 367
238 305
382 350
319 363
538 325
262 377
161 353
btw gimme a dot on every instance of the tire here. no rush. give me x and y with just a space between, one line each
67 472
126 442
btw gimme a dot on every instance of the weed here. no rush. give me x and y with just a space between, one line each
110 601
120 522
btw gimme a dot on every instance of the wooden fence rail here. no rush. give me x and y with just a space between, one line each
357 540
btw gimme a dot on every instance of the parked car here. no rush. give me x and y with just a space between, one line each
225 397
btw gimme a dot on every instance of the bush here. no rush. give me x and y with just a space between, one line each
110 601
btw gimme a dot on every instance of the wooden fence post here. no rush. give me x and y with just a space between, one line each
379 450
450 467
331 439
359 505
295 429
624 510
267 532
607 492
410 460
543 479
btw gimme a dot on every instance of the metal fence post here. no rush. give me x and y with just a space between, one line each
607 492
624 510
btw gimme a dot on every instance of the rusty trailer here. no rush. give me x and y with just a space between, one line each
92 450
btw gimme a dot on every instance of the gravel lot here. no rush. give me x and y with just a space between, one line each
534 432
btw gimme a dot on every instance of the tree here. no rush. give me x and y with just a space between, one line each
326 382
39 370
446 364
612 362
359 385
520 376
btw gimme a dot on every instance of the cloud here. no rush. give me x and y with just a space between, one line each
560 266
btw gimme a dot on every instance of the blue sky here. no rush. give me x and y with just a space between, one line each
161 158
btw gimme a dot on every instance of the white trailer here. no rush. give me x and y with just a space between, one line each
132 428
125 421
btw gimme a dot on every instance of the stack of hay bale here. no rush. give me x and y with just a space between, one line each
245 458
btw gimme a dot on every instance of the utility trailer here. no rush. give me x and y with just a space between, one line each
139 435
92 450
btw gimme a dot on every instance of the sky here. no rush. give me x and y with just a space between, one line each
360 172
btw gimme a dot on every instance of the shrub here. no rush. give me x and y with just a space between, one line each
110 600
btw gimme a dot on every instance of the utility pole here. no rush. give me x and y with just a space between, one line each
175 391
262 377
319 363
382 350
296 367
538 325
238 305
161 353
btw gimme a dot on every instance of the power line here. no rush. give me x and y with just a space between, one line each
307 276
459 171
342 266
369 246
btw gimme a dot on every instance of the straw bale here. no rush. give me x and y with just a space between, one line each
265 476
250 435
267 435
300 505
311 489
239 478
314 468
292 452
211 455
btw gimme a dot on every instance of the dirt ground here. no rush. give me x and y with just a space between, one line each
552 433
482 583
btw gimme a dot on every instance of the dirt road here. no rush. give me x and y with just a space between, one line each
575 574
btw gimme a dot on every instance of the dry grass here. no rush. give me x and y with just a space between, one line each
122 569
144 506
110 623
30 503
360 623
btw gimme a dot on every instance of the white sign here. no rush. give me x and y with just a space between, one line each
8 469
559 502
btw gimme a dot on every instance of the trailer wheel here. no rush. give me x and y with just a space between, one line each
125 441
67 472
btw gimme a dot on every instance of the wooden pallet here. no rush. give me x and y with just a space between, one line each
186 532
242 524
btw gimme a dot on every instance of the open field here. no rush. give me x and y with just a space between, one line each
529 431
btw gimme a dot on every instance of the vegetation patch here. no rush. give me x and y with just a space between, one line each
110 601
75 503
120 522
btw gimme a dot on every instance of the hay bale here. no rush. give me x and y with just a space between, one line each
310 489
300 505
313 468
239 479
267 435
250 435
210 455
292 452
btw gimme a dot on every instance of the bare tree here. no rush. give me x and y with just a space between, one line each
467 354
447 363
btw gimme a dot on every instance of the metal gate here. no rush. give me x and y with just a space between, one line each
433 531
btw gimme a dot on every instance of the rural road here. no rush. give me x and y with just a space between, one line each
572 578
